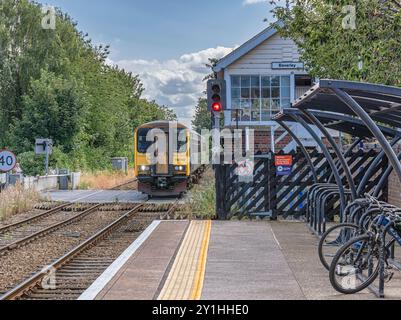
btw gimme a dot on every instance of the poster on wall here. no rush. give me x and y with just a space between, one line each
284 165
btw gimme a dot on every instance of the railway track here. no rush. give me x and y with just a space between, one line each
21 233
129 185
7 228
69 276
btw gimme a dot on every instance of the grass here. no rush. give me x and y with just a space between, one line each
202 198
104 180
16 199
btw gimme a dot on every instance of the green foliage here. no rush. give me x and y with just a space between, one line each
51 108
56 84
202 118
32 164
202 200
330 51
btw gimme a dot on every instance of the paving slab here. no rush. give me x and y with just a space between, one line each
300 249
246 263
140 278
243 261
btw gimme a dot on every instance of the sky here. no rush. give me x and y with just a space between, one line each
168 42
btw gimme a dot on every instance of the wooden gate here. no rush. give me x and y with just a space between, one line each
269 194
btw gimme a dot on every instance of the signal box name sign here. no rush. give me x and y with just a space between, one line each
284 165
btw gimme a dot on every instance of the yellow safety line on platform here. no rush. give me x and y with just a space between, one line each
185 280
200 273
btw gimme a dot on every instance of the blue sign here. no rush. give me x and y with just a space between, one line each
284 170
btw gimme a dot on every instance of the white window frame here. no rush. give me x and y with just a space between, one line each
228 77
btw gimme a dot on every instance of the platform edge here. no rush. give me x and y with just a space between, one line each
100 283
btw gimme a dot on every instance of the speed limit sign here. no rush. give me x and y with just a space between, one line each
8 161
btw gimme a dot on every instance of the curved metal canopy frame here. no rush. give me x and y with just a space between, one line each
372 167
337 151
354 106
330 160
347 153
382 183
370 102
301 146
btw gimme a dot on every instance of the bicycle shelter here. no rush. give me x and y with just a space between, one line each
361 184
372 103
363 110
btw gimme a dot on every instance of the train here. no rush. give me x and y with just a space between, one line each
170 167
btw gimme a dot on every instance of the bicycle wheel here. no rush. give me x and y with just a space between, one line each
333 239
356 265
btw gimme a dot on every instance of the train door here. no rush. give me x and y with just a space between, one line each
162 166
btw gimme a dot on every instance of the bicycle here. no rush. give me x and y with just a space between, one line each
358 216
360 261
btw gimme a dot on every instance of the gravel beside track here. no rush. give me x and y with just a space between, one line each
37 210
25 230
26 260
78 274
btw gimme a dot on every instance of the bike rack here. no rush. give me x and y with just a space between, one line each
371 104
345 124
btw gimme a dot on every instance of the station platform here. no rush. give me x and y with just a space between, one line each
205 260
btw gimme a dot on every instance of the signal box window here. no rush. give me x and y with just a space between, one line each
259 97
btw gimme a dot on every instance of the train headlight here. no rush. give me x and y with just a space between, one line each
144 168
180 168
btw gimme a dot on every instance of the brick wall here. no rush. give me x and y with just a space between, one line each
263 141
394 188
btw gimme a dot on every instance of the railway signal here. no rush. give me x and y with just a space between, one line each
216 95
45 147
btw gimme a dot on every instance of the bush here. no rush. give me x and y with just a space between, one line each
31 164
15 200
202 199
104 179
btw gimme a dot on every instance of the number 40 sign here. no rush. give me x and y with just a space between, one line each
8 161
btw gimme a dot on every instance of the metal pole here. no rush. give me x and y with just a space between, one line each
301 146
220 192
47 158
359 111
337 151
328 158
273 139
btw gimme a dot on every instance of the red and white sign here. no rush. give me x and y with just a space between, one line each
283 161
8 161
245 168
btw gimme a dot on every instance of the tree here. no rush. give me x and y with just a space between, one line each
56 84
52 108
202 118
212 63
332 48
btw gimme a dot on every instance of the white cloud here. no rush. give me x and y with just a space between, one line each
176 83
249 2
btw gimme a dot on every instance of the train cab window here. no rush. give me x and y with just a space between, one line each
143 144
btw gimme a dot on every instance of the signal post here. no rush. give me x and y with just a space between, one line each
217 104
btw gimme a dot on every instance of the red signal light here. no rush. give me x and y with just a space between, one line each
216 107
